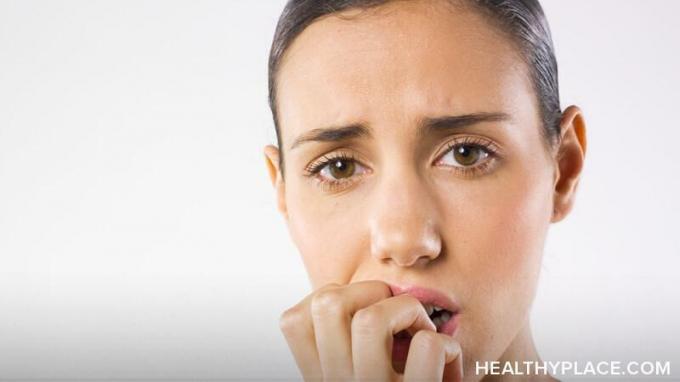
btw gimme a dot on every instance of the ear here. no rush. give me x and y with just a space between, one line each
271 156
569 160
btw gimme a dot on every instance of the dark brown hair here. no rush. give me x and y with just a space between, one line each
523 20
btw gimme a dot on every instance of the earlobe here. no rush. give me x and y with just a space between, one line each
271 154
569 160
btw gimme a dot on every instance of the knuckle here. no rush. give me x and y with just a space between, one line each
327 302
367 319
290 320
428 341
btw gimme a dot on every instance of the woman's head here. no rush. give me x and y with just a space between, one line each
424 144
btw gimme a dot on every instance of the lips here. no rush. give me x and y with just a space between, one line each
442 309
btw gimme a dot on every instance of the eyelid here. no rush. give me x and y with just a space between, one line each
486 144
483 167
314 169
315 166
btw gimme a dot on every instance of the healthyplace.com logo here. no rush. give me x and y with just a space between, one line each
604 368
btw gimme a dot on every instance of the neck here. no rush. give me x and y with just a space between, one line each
521 349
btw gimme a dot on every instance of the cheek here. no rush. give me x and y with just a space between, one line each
514 224
326 235
496 228
499 251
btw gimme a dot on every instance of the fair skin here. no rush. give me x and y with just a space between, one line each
402 208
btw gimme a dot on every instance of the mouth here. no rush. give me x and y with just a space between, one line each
438 315
442 310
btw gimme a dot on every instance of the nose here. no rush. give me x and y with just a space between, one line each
403 222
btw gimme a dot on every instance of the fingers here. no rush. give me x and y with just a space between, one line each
332 311
373 329
317 329
297 327
433 356
346 332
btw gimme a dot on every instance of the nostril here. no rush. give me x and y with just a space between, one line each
412 261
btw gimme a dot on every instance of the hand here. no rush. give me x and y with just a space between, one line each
345 332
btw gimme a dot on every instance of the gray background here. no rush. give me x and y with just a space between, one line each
138 232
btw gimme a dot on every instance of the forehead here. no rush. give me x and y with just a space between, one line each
396 63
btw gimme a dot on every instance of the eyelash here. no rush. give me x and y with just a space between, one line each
488 147
314 168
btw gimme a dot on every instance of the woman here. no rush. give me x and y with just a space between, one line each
422 155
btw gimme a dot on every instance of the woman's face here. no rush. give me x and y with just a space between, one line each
413 155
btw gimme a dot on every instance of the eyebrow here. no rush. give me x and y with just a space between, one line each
453 122
426 126
332 134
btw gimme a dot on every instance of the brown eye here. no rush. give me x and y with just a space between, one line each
335 170
341 168
465 155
